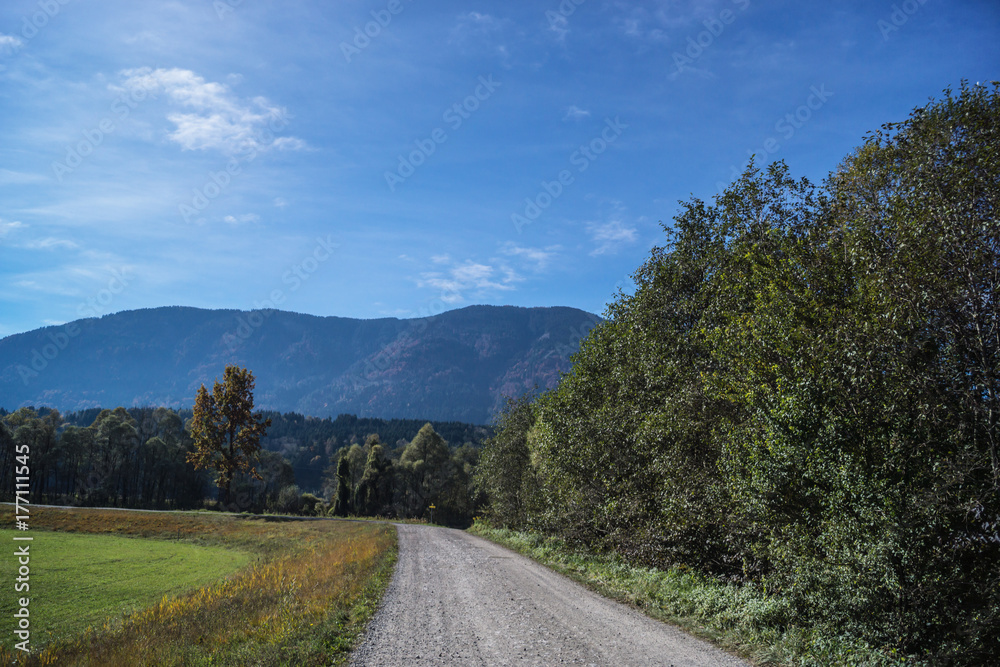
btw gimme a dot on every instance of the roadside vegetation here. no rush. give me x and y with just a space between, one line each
304 597
743 619
801 403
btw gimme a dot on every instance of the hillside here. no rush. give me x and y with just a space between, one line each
454 366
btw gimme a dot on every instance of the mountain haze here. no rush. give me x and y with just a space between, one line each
457 365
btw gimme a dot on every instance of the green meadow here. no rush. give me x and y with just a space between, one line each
79 580
120 588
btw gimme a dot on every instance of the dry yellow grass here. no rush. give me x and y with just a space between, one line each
303 601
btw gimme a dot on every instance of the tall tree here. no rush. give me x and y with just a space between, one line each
505 474
374 493
225 429
343 503
426 465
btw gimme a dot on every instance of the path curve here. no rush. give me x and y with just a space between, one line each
456 599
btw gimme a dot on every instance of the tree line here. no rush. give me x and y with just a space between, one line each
142 458
802 394
309 443
424 478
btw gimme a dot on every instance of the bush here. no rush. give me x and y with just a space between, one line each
289 500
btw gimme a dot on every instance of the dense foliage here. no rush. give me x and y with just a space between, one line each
309 443
125 458
138 457
802 395
424 478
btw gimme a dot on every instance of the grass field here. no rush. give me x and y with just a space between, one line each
81 580
297 593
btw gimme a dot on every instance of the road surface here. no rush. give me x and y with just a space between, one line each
456 599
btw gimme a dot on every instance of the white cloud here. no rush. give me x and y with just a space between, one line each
143 37
242 219
478 32
289 144
537 257
469 277
475 24
218 119
279 202
46 288
8 227
48 243
575 113
9 44
610 235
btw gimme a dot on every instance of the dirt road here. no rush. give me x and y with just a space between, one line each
456 599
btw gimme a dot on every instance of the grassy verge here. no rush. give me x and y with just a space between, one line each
305 596
740 619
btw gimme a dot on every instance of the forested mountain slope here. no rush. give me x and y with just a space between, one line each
457 365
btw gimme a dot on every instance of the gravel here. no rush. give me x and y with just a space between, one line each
456 599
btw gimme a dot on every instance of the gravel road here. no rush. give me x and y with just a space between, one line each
456 599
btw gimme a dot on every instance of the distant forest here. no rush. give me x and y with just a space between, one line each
137 458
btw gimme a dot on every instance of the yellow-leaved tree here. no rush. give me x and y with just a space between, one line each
225 429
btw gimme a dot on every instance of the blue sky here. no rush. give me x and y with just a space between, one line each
404 157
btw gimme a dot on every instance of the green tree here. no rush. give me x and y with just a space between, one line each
804 390
374 491
504 474
424 464
225 429
342 505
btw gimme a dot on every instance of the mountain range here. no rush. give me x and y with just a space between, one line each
457 365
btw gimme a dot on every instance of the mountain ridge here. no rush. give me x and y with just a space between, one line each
458 364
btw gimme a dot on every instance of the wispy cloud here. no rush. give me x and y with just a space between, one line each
574 112
8 44
7 227
246 218
537 258
8 177
218 118
48 243
610 236
469 278
476 32
475 25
